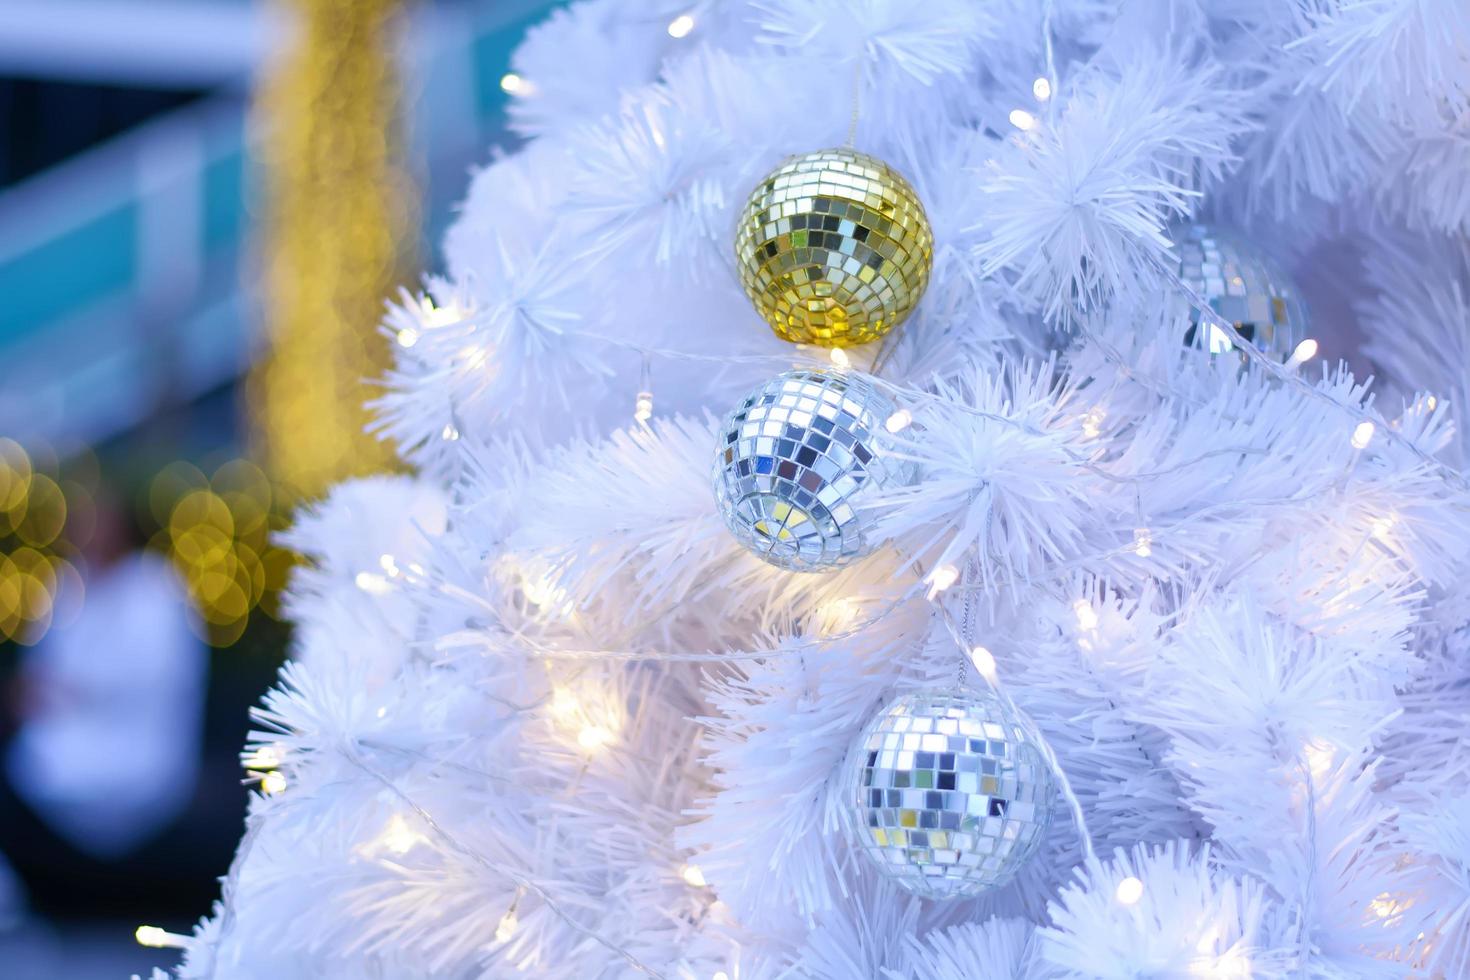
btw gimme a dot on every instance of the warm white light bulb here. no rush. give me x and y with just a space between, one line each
1092 422
1305 351
442 316
1130 890
1383 906
398 836
1143 542
680 26
899 421
449 433
643 406
942 578
272 783
1363 434
593 737
1321 756
840 358
407 337
1086 615
512 84
264 757
1022 119
158 938
1041 88
693 876
371 583
564 704
984 662
507 926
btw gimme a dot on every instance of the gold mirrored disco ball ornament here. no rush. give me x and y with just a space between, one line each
834 248
1244 285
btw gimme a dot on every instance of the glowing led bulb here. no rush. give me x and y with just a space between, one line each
272 783
984 662
1022 119
1305 351
720 975
840 358
643 406
1130 890
899 421
1041 88
264 757
398 836
1384 906
1143 542
942 578
1320 755
693 876
1086 615
513 84
563 704
407 337
1362 435
449 433
371 583
158 938
680 26
593 737
1092 423
507 926
839 615
442 316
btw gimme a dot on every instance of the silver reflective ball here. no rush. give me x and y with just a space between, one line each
1245 286
949 794
796 459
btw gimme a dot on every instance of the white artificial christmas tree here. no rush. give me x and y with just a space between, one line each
549 717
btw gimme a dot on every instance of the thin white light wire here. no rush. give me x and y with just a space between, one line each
520 880
1064 785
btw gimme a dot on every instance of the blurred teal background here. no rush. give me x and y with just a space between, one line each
123 267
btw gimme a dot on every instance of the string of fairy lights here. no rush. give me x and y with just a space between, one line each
215 526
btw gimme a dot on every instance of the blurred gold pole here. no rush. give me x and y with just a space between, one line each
339 214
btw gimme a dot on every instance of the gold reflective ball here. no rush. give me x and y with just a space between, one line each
834 248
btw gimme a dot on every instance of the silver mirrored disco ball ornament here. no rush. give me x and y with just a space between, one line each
949 792
796 459
1242 284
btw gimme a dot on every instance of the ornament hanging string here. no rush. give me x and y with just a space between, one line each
1064 785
